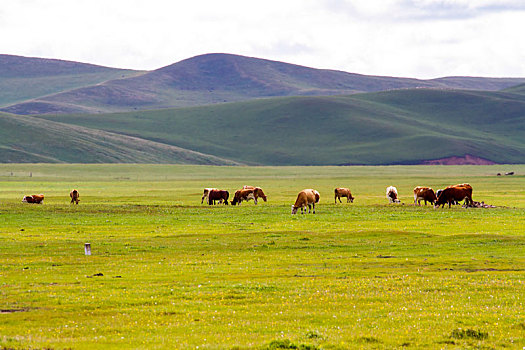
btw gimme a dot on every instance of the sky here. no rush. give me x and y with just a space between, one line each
405 38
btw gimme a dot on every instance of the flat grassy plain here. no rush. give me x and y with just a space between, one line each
168 272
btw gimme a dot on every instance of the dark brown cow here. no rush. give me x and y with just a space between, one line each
218 195
343 192
424 193
205 194
35 199
74 196
453 194
247 193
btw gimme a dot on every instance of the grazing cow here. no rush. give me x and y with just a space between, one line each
510 173
343 192
218 195
391 194
243 195
205 194
306 198
247 193
74 196
453 194
35 199
438 192
424 193
258 192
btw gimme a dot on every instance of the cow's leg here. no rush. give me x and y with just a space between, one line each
335 199
313 205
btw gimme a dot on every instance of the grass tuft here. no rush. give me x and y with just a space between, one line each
468 333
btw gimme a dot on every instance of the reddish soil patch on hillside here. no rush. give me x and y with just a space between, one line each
466 160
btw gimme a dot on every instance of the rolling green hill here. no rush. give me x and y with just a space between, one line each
518 89
26 78
394 127
31 140
219 78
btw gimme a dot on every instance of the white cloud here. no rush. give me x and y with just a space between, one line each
418 38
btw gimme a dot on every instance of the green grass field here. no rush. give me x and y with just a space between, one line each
168 272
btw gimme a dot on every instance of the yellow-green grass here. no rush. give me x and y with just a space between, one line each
178 274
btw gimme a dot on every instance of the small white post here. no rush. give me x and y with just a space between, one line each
87 248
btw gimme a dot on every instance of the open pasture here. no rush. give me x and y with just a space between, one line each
168 272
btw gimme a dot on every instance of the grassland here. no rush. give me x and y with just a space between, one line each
168 272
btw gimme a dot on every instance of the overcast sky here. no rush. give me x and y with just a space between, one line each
409 38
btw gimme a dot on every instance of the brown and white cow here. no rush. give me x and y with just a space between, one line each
343 192
391 194
205 194
218 195
247 193
453 194
35 199
306 198
424 194
257 192
74 196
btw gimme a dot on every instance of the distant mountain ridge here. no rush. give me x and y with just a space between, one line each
218 78
25 79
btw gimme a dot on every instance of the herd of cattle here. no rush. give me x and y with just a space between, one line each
307 198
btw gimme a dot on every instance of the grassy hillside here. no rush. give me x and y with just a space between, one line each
25 78
478 83
518 89
396 127
219 78
30 140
